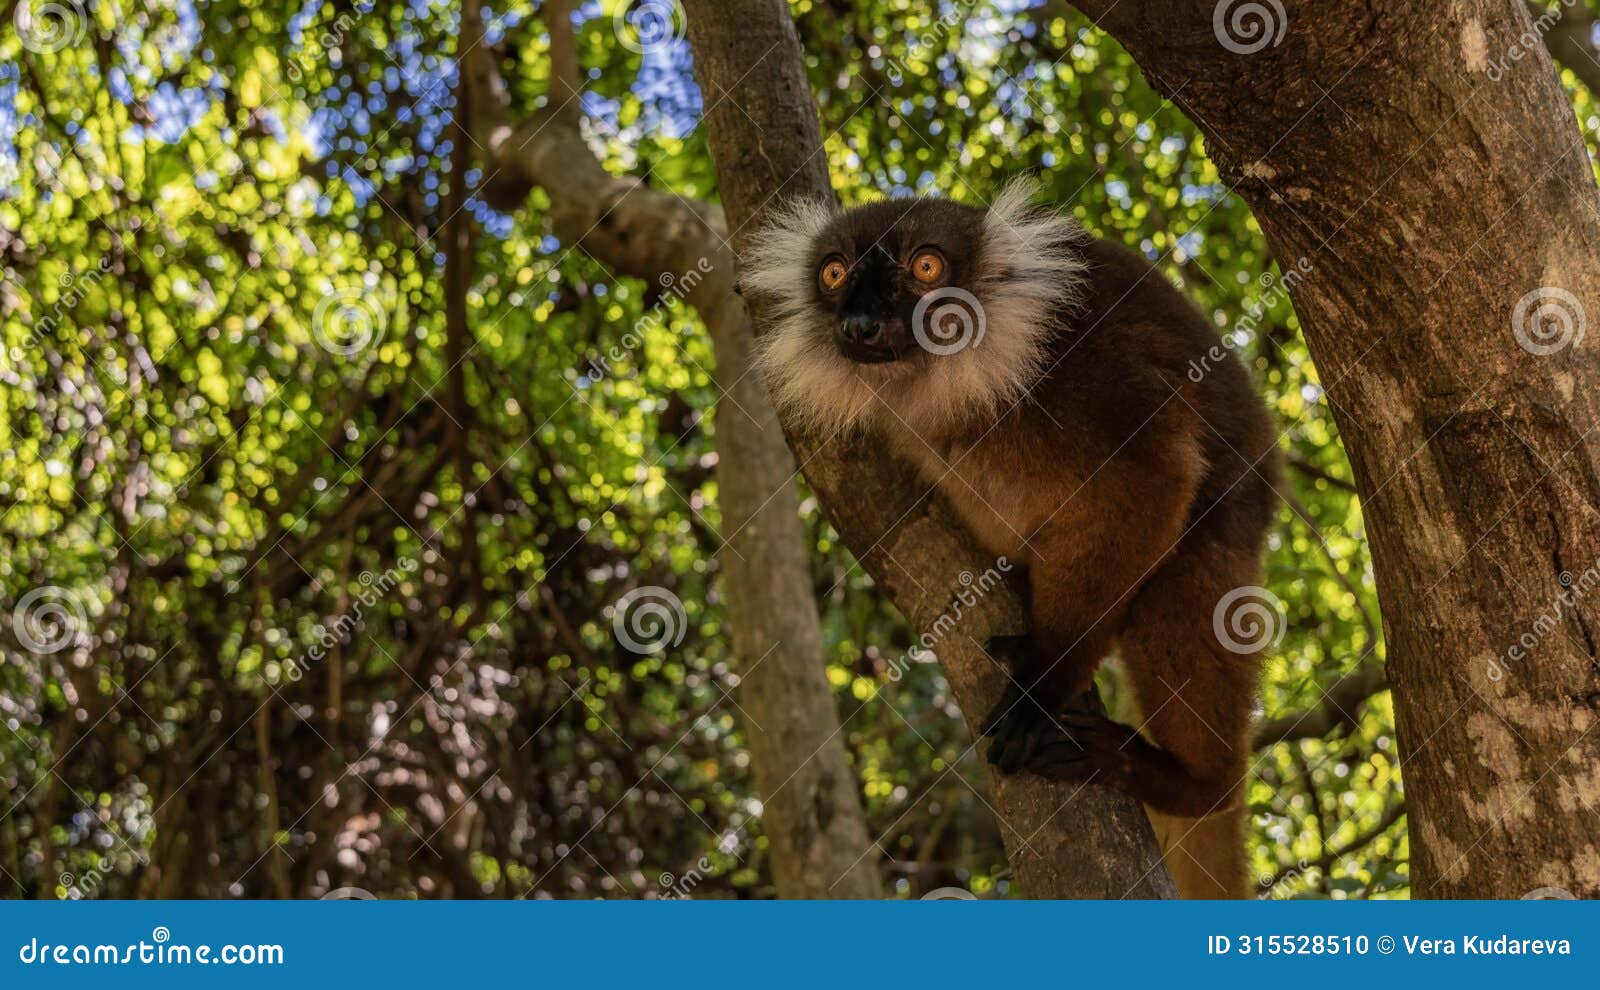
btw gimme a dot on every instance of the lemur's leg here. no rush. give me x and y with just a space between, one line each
1085 572
1193 670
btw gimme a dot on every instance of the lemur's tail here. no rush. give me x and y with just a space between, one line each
1206 856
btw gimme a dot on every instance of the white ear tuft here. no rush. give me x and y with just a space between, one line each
1030 270
810 383
1029 247
776 263
1017 199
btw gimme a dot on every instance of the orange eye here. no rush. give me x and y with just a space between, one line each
833 273
927 266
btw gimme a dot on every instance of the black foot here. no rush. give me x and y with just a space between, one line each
1092 748
1016 727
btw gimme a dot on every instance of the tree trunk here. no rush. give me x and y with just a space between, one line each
812 807
1062 841
1423 158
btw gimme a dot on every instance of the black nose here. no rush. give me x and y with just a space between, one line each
861 331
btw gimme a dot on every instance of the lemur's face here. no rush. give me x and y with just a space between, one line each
890 277
939 311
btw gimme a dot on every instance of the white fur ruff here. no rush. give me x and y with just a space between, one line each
1030 274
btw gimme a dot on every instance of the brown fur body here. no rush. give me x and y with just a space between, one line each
1133 476
1136 498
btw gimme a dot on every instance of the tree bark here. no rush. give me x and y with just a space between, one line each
1425 160
820 846
767 147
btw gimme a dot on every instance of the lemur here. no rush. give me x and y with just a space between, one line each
1045 381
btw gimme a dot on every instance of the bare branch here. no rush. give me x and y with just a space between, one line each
767 146
1340 708
1299 463
813 814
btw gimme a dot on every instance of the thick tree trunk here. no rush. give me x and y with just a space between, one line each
1063 841
813 816
1424 159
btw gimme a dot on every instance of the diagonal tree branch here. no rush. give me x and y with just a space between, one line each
1340 708
813 813
1062 841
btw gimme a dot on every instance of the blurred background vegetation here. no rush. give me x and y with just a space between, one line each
259 638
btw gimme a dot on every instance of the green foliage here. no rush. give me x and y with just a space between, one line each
336 608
